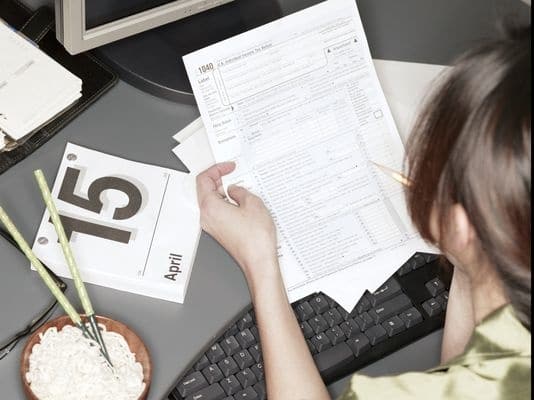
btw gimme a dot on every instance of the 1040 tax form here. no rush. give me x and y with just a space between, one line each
298 106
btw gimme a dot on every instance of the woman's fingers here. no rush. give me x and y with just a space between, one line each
238 193
210 180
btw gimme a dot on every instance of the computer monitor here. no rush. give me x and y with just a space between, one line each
144 40
83 25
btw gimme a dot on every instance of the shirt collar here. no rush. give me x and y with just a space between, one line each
499 335
500 332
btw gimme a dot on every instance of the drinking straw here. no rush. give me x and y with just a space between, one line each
67 252
43 273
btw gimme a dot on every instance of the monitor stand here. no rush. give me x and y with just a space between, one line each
152 60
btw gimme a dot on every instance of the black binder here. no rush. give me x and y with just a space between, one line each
97 78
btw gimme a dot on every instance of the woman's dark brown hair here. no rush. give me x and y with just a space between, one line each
471 146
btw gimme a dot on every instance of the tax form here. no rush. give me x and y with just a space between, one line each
298 106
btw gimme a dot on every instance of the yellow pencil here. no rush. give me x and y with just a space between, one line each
396 175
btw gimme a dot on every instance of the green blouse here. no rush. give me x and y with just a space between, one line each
495 365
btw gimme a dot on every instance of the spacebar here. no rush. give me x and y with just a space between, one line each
333 357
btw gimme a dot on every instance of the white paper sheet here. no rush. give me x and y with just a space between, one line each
189 130
195 151
405 85
297 104
134 227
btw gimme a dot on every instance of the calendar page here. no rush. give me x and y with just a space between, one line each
132 226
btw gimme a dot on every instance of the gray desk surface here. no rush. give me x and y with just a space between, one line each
137 126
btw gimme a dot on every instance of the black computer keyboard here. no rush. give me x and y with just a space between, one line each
408 306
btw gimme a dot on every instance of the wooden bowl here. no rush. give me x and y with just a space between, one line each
134 342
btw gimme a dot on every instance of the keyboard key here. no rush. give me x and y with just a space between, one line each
335 334
363 305
359 344
247 394
174 395
304 311
376 334
333 357
321 342
411 263
255 332
190 371
419 260
245 322
255 352
228 366
390 308
443 299
212 392
246 378
350 328
260 390
191 384
311 346
243 359
257 369
332 317
318 324
432 307
202 363
331 302
215 353
245 338
319 304
344 314
411 317
230 345
212 373
435 287
231 331
430 257
364 320
231 385
306 329
393 326
385 292
405 269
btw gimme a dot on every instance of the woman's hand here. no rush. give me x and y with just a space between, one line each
246 231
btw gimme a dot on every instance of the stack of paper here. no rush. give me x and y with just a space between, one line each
194 148
297 104
33 88
405 86
132 226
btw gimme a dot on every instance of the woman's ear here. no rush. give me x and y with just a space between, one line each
460 235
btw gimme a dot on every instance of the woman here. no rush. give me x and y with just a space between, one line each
469 160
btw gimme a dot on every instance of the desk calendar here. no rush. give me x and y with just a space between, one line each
132 226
